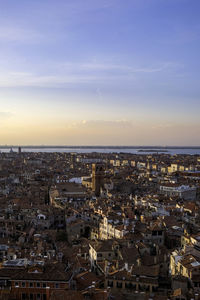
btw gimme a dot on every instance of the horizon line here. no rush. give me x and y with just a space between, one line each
102 146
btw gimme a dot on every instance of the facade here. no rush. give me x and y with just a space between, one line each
34 282
100 251
107 230
185 192
133 282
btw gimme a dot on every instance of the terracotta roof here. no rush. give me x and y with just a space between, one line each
69 295
53 272
151 271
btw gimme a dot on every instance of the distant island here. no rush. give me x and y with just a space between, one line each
152 150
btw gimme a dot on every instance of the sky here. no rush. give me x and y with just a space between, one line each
91 72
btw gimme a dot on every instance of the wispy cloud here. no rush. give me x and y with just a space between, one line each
99 124
107 122
23 79
5 115
88 6
17 34
78 73
163 126
94 66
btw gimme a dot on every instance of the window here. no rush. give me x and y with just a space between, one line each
44 297
31 284
57 285
38 296
119 284
110 283
38 284
127 285
16 284
23 297
44 285
23 284
31 296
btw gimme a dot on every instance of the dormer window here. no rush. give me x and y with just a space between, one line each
35 269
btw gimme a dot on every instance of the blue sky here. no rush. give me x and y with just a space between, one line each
100 72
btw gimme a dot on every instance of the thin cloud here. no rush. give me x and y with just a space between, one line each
79 73
162 126
107 122
90 66
5 115
17 79
99 124
17 34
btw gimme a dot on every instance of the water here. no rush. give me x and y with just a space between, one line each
132 150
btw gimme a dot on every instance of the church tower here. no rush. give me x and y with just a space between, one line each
97 178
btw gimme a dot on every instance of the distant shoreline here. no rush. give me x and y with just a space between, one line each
148 148
153 150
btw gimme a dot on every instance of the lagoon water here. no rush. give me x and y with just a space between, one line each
133 150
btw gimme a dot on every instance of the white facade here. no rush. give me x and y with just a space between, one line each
184 191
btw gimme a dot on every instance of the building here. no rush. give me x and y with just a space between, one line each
183 191
97 178
35 282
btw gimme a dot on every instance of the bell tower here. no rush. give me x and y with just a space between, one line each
97 178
